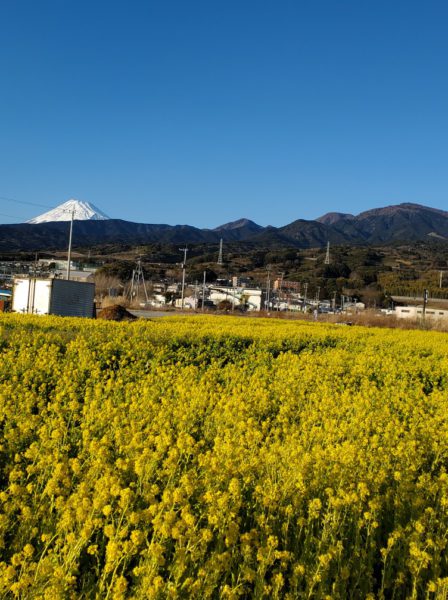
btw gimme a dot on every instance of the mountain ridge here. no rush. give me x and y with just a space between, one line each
406 222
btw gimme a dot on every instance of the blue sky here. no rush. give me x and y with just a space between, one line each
202 112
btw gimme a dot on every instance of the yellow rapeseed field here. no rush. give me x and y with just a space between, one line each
217 457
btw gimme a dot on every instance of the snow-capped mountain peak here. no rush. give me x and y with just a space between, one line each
83 211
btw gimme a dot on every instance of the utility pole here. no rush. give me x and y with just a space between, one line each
69 253
138 279
203 291
279 295
425 302
220 253
184 250
268 289
305 291
327 255
440 279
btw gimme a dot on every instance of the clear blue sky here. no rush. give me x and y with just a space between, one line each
202 112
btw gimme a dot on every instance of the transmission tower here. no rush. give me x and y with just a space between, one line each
327 255
138 280
220 252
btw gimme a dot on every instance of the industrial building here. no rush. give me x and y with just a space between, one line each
53 297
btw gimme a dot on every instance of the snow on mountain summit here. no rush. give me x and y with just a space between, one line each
84 211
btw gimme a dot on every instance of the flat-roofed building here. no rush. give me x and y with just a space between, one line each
416 312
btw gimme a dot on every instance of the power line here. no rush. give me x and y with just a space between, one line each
16 219
12 217
25 202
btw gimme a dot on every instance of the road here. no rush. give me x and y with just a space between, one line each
151 314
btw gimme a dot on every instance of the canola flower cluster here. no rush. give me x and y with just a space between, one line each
217 457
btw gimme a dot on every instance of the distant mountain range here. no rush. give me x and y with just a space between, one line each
399 223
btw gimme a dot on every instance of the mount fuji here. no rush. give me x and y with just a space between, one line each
82 211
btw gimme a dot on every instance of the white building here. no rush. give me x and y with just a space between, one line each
189 302
53 297
416 312
237 296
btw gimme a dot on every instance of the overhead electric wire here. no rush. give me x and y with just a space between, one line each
25 202
12 217
16 219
